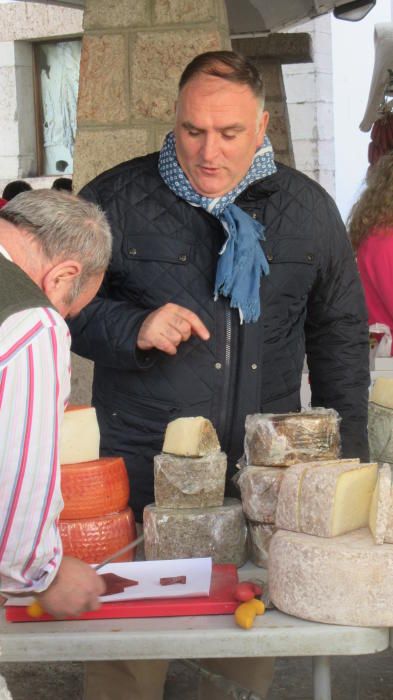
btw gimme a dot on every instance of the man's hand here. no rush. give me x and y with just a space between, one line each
169 326
74 590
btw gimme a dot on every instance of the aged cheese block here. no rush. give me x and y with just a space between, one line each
189 482
190 437
220 533
279 440
288 508
259 536
259 487
346 580
380 432
380 504
382 392
94 488
79 435
94 539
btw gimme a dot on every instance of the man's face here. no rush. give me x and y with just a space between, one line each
219 125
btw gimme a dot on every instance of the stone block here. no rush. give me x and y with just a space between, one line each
103 88
103 14
279 134
24 54
159 135
27 20
272 78
303 120
8 168
158 59
325 119
286 48
98 150
301 88
174 12
306 154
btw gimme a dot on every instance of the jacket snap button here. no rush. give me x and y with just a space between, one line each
182 258
269 257
218 365
310 257
254 216
132 251
254 366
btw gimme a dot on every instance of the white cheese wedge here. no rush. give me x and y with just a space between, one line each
79 436
288 503
190 437
380 504
347 580
382 392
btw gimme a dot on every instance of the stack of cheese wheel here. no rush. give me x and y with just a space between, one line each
380 420
190 517
272 443
331 559
96 520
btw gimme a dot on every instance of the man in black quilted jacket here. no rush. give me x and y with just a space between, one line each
227 269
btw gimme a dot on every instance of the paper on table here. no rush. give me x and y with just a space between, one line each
198 573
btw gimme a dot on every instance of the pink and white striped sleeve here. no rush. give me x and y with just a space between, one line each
34 387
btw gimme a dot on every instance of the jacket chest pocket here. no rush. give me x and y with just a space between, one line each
157 268
293 266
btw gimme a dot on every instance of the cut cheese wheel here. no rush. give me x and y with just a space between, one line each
282 439
190 437
94 488
79 435
380 504
259 487
288 503
95 539
380 432
382 392
220 533
347 580
189 482
335 500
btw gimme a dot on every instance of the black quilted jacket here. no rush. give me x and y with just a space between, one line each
166 250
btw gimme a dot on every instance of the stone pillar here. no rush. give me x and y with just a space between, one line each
133 53
269 53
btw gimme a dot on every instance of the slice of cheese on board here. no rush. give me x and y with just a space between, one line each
288 502
381 504
95 539
259 488
190 437
79 435
282 439
346 580
94 488
382 392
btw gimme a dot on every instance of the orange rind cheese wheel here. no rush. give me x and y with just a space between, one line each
91 489
95 539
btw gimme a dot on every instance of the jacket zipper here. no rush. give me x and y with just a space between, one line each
225 409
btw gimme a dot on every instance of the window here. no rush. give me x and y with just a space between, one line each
57 80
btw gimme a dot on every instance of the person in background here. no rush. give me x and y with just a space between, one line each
62 183
227 268
54 249
15 187
371 232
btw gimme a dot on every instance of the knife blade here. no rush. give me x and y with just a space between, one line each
121 551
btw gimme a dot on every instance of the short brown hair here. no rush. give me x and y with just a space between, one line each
227 65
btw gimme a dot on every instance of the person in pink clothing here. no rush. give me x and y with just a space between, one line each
371 233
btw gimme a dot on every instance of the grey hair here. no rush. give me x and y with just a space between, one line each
65 226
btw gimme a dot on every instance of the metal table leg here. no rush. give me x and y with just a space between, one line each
321 678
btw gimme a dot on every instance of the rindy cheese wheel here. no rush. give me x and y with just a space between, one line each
95 488
94 539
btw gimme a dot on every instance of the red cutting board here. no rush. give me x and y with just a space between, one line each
220 601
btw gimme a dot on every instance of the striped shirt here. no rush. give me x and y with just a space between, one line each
34 388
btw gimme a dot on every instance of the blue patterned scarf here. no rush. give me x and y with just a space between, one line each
242 261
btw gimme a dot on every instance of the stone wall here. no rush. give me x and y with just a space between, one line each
133 53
